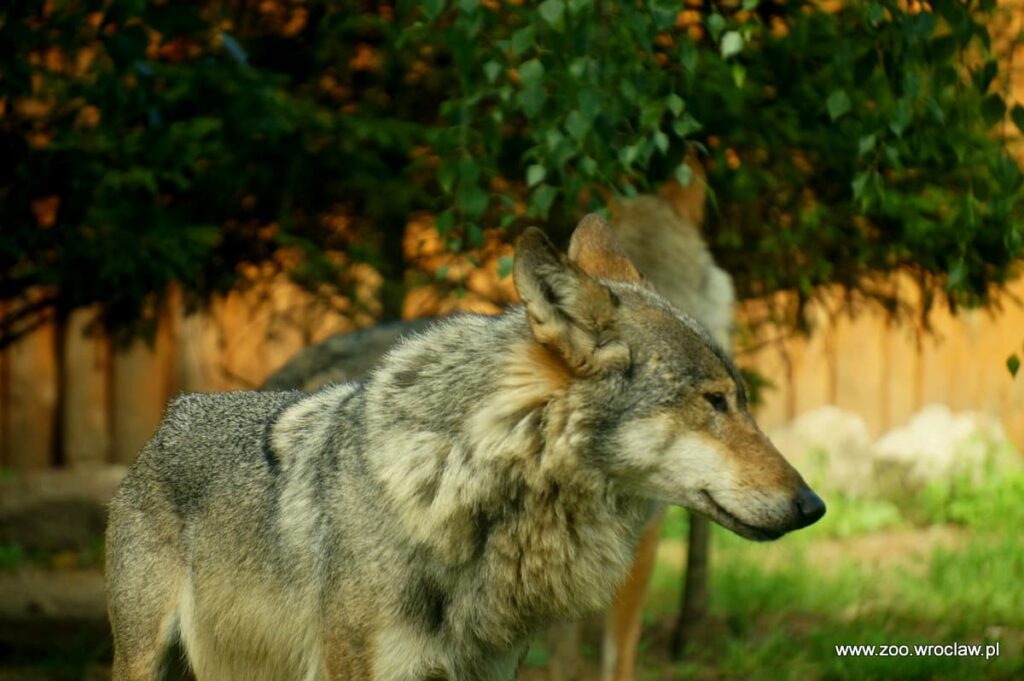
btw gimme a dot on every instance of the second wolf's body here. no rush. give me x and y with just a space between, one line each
660 233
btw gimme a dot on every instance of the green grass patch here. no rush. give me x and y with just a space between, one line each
779 610
11 556
852 516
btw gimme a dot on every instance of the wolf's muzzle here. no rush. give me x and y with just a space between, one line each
809 507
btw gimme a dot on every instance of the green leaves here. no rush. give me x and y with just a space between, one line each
628 154
1013 364
541 200
859 184
860 139
533 95
715 24
900 117
865 145
1017 115
838 104
660 141
590 102
577 125
532 73
684 174
472 201
433 8
732 43
984 75
686 126
993 109
664 13
535 174
552 11
522 40
674 103
492 70
577 6
504 266
688 56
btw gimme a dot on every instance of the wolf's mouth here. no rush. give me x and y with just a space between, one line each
731 522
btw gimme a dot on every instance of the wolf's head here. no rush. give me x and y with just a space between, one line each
664 409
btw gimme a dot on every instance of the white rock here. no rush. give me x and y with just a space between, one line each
831 448
939 445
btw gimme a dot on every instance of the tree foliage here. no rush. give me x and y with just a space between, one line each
151 142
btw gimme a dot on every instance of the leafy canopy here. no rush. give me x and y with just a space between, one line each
151 142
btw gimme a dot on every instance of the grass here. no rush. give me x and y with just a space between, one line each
779 610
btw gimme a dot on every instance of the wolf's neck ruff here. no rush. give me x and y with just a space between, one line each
508 498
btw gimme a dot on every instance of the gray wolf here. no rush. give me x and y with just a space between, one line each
492 476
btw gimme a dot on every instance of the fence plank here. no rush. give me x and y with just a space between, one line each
241 319
32 399
860 341
140 389
1008 391
938 381
902 376
813 374
85 383
197 352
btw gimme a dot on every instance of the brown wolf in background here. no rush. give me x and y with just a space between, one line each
491 477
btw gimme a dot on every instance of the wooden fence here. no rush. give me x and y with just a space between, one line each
69 398
886 372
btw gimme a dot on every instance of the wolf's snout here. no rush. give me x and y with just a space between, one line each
809 507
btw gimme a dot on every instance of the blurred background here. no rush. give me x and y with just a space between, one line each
192 193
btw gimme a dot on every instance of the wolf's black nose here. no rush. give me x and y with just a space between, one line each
810 505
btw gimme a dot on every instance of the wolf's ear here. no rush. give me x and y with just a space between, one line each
596 249
568 310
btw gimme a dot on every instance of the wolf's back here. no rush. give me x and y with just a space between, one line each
205 441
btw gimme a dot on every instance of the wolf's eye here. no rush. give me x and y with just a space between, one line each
717 401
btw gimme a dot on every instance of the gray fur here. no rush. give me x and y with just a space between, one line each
212 484
491 477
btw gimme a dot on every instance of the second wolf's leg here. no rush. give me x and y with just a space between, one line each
145 578
622 626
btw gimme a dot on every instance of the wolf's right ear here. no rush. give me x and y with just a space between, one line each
568 310
596 249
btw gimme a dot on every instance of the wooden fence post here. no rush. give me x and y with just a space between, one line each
32 399
85 383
